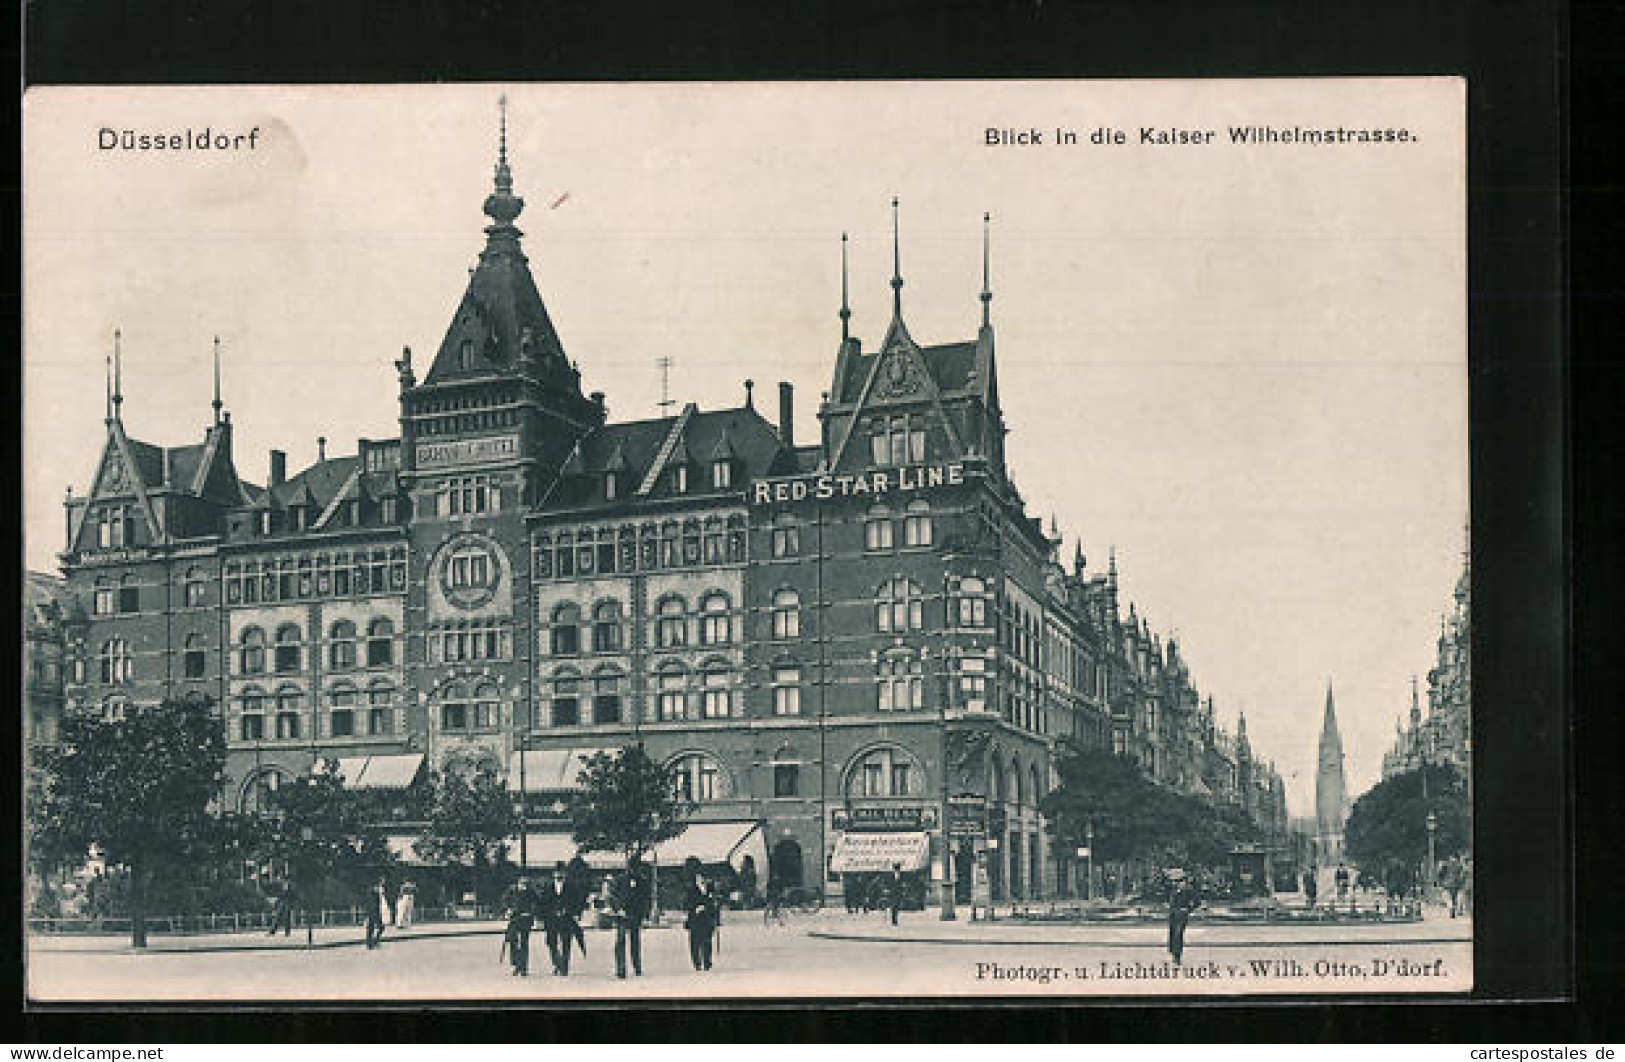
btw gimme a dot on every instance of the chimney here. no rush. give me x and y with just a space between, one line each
279 468
321 448
787 413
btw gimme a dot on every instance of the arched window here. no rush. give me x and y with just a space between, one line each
116 663
341 646
606 697
787 691
194 588
786 614
194 658
454 707
877 528
672 687
287 649
468 568
380 642
566 632
259 791
606 627
566 699
252 726
885 772
901 687
898 607
671 624
917 523
970 602
716 624
341 702
786 536
698 778
380 704
716 696
289 703
486 713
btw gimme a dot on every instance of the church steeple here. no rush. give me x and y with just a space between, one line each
987 288
1331 794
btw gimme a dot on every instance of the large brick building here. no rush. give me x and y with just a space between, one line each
847 645
1443 734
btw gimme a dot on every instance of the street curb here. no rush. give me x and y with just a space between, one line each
1159 944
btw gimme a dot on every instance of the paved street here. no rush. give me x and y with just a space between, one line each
830 954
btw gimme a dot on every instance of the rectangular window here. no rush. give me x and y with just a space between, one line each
341 722
878 448
104 601
916 445
287 725
786 541
874 779
606 708
566 711
193 663
129 599
899 779
378 721
287 658
253 727
787 691
786 779
454 716
877 533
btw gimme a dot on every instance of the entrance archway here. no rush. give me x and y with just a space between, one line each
785 865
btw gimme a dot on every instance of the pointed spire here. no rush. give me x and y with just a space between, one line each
216 404
896 264
987 289
502 206
115 397
846 311
109 382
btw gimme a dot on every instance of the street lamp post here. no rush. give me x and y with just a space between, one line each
1433 830
992 857
306 836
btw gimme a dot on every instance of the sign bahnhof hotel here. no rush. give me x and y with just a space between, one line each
879 679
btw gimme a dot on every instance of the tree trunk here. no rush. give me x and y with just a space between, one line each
138 906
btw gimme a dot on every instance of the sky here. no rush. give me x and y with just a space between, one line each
1244 367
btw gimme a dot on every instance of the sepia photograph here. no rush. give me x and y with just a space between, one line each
809 540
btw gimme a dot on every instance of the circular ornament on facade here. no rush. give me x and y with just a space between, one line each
897 374
469 571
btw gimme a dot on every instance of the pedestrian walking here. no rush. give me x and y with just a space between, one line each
281 910
377 908
520 908
894 891
1182 900
628 906
558 910
773 907
1341 878
1311 887
578 883
1450 877
406 904
704 914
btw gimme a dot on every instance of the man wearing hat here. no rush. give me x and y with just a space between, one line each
1181 901
559 919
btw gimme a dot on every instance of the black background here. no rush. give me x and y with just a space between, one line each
1528 476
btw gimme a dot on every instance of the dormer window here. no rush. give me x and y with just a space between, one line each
466 353
612 485
679 479
722 475
265 523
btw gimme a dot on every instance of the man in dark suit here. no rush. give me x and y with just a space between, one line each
894 891
704 913
521 908
558 908
629 906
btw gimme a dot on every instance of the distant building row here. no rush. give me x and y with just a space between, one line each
1444 734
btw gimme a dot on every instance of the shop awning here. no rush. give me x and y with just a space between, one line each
546 850
400 846
548 770
716 842
380 772
876 852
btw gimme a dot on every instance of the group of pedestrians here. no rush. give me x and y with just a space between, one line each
557 904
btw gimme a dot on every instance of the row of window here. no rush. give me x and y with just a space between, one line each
343 645
643 547
106 599
340 574
115 526
350 712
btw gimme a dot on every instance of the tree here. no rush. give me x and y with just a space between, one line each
1134 817
1389 823
322 832
626 804
139 788
471 819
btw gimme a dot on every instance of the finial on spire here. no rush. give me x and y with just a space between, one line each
108 380
896 263
216 403
502 206
846 311
118 371
987 289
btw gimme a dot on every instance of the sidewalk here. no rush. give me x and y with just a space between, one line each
258 940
